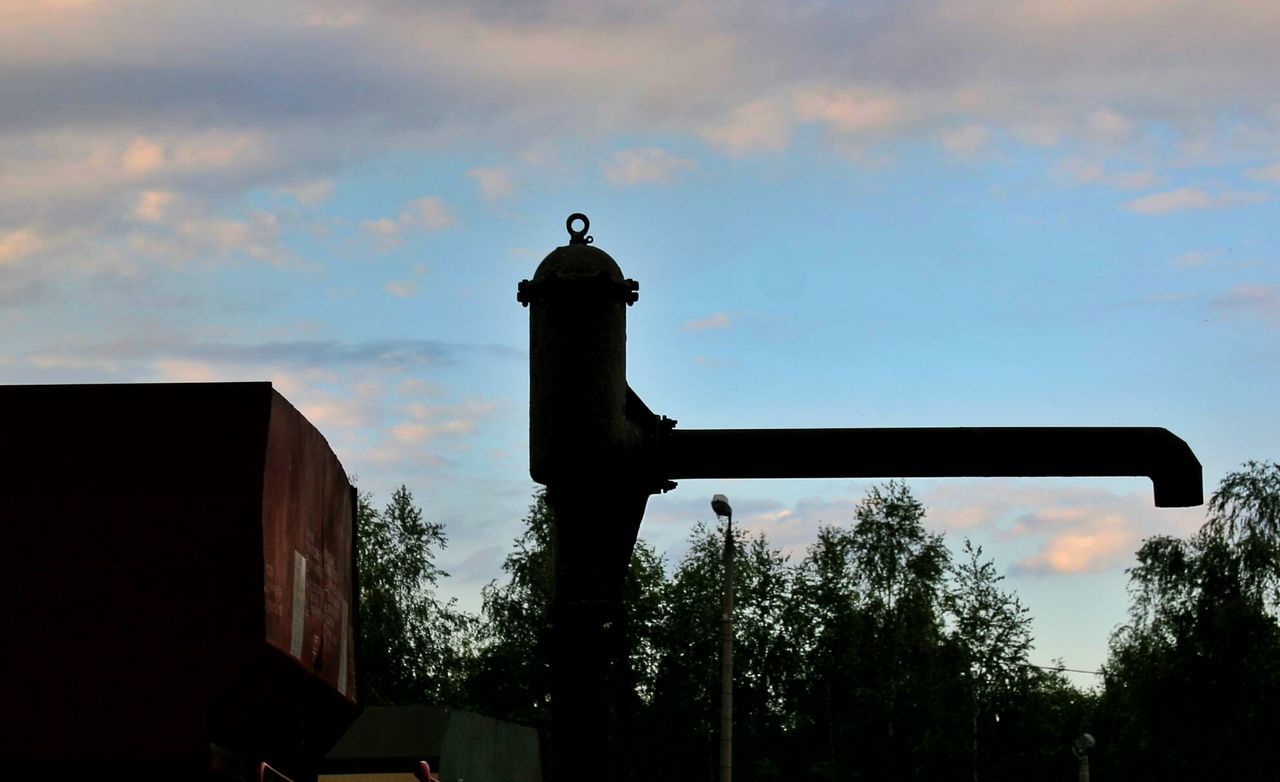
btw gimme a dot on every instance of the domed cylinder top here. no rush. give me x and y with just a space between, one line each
577 299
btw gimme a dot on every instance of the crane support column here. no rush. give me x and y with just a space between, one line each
601 452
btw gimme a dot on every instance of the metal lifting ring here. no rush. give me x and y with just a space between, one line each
578 237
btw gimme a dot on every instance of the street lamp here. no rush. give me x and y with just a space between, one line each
1081 746
720 504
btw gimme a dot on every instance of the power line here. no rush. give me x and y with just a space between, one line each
1061 668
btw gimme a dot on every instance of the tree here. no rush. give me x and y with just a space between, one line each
683 717
830 629
993 632
899 568
899 565
1193 680
878 695
415 647
1245 512
512 677
1247 502
766 658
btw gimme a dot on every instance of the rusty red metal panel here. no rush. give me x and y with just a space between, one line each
306 534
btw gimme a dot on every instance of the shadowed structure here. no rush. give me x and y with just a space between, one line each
601 452
180 599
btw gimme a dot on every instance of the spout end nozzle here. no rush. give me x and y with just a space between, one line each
1179 491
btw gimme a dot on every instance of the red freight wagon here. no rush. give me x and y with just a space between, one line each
179 597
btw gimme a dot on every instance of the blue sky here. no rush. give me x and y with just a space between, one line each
841 214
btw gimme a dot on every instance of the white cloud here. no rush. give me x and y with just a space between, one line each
180 370
120 98
1172 201
1039 133
103 105
435 421
402 289
377 403
429 213
1033 527
211 150
718 320
380 69
177 231
384 229
152 204
18 244
849 111
1269 173
1109 125
335 18
1191 259
258 236
142 157
1071 529
1260 300
1188 198
1095 173
1095 544
649 165
79 173
964 142
759 125
310 193
494 183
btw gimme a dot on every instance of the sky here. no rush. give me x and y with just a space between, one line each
841 214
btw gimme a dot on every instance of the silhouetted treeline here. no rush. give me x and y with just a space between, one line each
880 654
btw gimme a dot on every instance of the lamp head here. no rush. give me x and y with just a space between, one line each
1083 743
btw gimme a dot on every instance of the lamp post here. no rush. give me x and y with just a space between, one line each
720 504
1080 747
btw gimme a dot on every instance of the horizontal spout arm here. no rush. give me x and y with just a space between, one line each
943 452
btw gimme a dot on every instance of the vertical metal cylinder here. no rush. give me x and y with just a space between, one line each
578 428
582 447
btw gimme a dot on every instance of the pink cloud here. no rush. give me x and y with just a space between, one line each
16 245
965 142
644 166
494 183
849 111
1095 174
718 320
1189 198
756 126
429 213
1261 300
311 192
402 289
1102 543
1269 173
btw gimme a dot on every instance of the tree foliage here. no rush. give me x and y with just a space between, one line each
512 674
683 715
415 647
992 631
1193 680
874 656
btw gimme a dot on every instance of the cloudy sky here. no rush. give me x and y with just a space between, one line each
908 213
